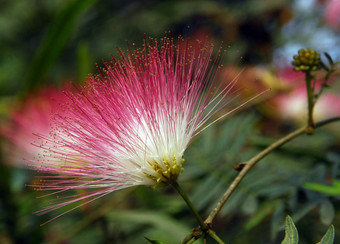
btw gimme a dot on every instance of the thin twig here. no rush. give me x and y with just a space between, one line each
192 240
215 237
188 239
257 158
247 166
326 121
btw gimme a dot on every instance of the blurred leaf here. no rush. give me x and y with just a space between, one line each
329 58
305 209
55 40
158 220
207 192
259 216
328 238
327 212
276 219
301 146
291 236
154 241
84 61
250 204
9 77
326 189
234 202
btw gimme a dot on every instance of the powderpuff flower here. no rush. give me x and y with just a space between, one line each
130 124
32 115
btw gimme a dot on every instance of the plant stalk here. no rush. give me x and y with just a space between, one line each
311 102
249 164
199 219
215 237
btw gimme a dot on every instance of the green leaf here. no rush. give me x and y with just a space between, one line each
327 212
276 218
305 209
157 220
329 58
336 183
328 238
291 236
84 61
55 40
326 189
154 241
207 192
324 66
250 205
259 216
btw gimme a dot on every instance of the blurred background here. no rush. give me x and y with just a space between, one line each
44 44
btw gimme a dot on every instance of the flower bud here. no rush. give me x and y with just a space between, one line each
306 60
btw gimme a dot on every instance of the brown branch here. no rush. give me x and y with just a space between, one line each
249 164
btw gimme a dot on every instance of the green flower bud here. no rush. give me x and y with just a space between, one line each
306 60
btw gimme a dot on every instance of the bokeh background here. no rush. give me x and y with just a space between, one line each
45 44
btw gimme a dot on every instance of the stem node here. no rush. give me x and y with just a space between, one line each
309 130
239 166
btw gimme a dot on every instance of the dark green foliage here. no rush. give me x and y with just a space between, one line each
328 238
292 236
52 41
291 233
154 241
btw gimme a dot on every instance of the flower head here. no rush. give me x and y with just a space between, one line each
131 123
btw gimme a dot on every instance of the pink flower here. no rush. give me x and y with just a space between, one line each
130 124
293 106
332 14
32 115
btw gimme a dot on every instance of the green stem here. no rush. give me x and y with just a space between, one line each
188 239
310 96
192 240
215 237
203 225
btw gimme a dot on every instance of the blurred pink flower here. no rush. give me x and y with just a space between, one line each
288 97
32 115
131 124
293 106
332 14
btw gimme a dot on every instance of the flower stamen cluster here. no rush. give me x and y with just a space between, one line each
167 173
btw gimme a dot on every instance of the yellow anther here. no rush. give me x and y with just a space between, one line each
167 172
